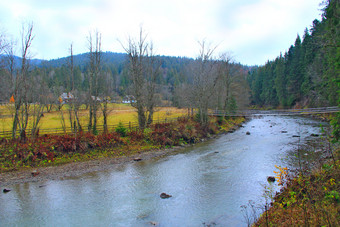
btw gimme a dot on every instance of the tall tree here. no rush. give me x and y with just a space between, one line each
205 80
21 85
143 72
94 71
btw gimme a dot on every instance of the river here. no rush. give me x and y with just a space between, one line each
208 183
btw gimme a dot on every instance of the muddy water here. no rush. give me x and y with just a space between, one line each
208 183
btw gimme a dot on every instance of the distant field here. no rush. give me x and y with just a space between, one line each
124 113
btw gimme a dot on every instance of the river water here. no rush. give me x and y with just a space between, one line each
208 183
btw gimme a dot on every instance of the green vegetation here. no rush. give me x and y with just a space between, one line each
307 200
308 73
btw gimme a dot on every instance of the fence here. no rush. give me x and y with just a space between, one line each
100 128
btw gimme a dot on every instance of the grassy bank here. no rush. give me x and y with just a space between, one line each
51 150
308 197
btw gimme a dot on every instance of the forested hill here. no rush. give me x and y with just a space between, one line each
82 59
308 74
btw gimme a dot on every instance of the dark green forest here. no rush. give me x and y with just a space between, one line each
308 74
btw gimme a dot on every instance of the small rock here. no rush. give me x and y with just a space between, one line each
247 133
35 173
216 152
6 190
165 196
137 159
271 179
283 131
314 135
296 136
153 223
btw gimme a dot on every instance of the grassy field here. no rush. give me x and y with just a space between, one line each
124 113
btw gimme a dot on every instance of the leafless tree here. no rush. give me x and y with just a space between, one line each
205 81
107 87
73 103
37 95
5 78
227 79
95 59
143 72
21 85
3 47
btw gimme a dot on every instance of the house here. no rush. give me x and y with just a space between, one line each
65 97
129 99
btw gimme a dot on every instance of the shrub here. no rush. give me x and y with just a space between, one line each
121 129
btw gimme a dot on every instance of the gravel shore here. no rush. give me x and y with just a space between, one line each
75 169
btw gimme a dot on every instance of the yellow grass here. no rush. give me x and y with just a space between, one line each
117 113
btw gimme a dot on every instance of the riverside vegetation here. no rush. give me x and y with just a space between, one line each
51 150
310 194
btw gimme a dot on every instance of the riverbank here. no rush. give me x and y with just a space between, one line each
309 197
161 140
74 169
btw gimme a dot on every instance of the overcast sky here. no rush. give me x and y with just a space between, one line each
254 31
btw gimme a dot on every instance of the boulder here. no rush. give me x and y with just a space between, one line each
247 133
6 190
271 179
165 196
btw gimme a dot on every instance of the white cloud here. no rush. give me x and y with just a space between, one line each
254 30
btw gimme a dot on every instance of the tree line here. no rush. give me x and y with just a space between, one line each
33 86
308 73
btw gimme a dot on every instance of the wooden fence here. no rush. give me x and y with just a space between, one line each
100 128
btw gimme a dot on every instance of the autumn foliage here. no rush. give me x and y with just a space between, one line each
306 200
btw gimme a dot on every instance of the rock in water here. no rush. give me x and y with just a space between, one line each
137 159
165 196
247 133
153 223
6 190
271 179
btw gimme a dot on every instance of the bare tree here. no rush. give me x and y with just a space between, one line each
227 75
37 95
152 71
205 81
5 72
95 58
73 101
107 87
3 46
21 86
143 72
